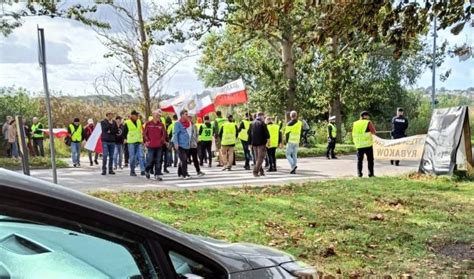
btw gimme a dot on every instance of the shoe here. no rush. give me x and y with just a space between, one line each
187 177
166 171
147 174
219 165
328 158
78 164
95 161
262 174
334 158
125 166
371 175
224 168
360 175
104 173
115 168
247 167
158 177
201 173
152 172
142 173
111 172
293 170
397 163
391 162
74 165
256 175
133 174
92 164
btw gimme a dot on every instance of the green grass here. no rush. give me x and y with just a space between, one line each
311 220
35 163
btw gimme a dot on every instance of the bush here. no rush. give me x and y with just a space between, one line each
35 163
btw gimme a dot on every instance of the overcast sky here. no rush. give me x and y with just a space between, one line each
75 59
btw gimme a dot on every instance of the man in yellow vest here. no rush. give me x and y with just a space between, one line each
133 133
332 134
228 135
293 136
205 138
76 132
273 143
362 132
244 139
218 122
38 137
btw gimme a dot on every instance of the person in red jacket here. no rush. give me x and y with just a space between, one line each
155 137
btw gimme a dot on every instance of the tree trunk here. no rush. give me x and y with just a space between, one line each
145 57
335 99
289 71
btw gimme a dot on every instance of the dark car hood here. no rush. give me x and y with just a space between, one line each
257 256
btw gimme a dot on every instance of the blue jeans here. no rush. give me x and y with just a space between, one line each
76 152
154 160
14 149
135 151
118 155
292 154
108 149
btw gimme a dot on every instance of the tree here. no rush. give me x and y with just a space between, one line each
138 46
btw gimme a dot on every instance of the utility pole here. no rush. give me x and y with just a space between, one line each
42 62
433 81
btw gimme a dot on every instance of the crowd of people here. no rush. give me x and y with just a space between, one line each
154 145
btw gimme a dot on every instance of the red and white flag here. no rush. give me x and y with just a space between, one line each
57 132
94 143
171 104
230 94
204 106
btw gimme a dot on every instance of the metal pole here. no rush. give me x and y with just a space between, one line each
42 62
433 85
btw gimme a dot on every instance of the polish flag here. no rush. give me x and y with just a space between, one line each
169 105
57 132
94 143
204 106
230 94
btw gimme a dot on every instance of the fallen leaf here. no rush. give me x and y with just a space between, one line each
377 217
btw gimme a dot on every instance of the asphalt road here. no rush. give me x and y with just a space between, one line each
89 179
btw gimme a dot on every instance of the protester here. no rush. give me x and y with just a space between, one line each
173 150
218 122
181 139
205 137
125 145
273 143
305 132
194 150
87 134
5 143
28 139
119 140
134 137
228 136
362 132
13 138
76 133
399 127
38 137
332 135
292 138
258 139
109 136
156 137
244 139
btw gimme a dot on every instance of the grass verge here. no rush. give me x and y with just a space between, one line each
35 163
382 226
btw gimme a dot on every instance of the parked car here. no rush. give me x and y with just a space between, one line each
49 231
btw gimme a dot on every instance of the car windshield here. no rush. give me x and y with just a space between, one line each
32 250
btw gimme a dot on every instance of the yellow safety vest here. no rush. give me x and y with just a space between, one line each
244 135
220 121
206 134
228 133
170 128
274 131
76 135
360 136
35 127
295 132
134 132
333 130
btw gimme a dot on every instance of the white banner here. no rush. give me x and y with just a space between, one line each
406 149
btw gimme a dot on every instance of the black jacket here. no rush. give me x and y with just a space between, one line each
109 130
119 139
258 133
399 126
